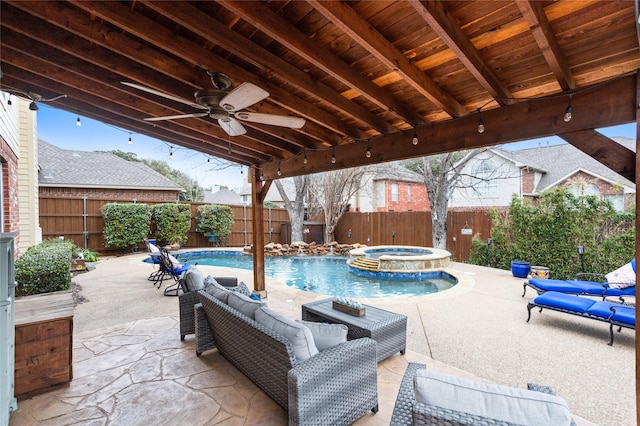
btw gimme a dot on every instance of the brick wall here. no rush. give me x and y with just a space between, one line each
125 195
9 188
419 201
528 180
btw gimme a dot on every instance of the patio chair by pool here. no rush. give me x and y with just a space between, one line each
155 258
616 314
621 282
173 269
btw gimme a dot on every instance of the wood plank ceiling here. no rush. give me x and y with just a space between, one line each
367 76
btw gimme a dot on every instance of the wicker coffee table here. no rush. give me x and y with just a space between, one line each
388 329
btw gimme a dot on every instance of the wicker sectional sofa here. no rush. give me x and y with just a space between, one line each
337 385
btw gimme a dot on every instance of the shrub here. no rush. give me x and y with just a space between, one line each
44 268
215 219
548 232
172 221
125 224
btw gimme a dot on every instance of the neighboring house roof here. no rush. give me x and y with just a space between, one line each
395 172
84 169
559 162
223 196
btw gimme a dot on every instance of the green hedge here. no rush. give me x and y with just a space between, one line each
172 221
125 224
548 232
44 268
215 219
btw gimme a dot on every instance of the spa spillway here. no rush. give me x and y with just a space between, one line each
398 261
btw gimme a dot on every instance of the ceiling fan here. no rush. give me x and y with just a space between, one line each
33 97
226 106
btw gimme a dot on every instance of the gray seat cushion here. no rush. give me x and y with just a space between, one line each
193 279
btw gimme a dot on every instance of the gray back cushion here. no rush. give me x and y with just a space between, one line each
193 279
244 304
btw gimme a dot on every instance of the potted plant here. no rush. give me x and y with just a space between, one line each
215 222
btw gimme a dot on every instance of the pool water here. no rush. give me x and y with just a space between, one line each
328 275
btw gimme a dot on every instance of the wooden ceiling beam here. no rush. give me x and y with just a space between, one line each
608 104
194 20
52 12
89 110
181 47
617 157
348 20
274 26
440 21
97 89
533 13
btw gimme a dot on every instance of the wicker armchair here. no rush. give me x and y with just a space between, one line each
188 299
407 411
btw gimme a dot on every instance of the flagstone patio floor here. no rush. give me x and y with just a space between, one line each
131 368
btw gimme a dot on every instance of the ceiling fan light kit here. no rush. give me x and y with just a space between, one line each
225 106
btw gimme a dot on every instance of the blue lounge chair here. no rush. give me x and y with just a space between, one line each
578 287
616 314
589 284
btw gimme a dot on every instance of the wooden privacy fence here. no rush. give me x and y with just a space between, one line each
80 220
414 228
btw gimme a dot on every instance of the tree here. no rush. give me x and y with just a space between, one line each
331 192
441 173
296 207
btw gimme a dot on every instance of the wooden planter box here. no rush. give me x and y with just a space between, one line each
43 343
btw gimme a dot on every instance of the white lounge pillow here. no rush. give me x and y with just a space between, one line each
519 406
298 335
244 304
326 335
622 277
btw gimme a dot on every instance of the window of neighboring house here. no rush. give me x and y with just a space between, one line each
394 192
484 179
617 200
582 189
408 192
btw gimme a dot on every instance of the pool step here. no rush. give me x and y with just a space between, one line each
365 263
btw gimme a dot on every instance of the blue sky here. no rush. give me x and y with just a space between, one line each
59 128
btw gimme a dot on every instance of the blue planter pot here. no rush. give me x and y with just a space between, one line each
520 269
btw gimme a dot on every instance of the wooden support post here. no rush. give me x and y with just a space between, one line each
258 193
637 241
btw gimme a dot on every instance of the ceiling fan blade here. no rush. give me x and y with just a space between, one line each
162 94
243 96
175 117
275 120
232 126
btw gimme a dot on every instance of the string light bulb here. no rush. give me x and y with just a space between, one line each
279 171
78 122
333 156
568 112
415 138
170 153
9 99
130 141
368 153
480 122
304 160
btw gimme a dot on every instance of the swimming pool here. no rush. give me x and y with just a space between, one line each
328 275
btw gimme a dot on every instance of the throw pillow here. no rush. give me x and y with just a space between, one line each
519 406
193 279
244 304
242 289
326 335
298 335
622 277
